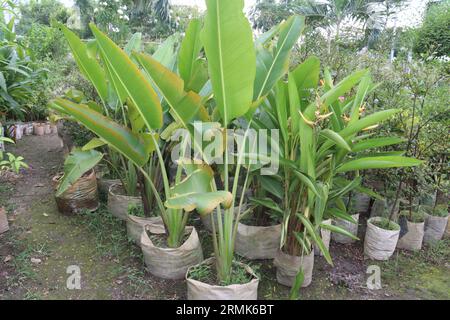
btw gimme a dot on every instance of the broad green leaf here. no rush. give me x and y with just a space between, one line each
94 106
131 79
368 121
117 136
272 185
149 140
379 154
198 181
134 44
376 143
87 65
294 106
134 117
93 144
268 35
306 76
320 202
92 48
75 95
336 138
190 67
281 98
228 41
298 282
184 106
77 163
344 86
378 163
5 139
166 52
307 181
271 67
204 203
361 94
358 125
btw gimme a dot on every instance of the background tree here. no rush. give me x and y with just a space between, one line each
86 8
42 12
434 34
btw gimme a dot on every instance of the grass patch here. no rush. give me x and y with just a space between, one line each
6 190
424 273
385 224
110 237
206 273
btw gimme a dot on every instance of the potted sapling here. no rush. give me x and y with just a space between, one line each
169 250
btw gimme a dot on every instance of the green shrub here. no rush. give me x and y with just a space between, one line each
434 35
45 41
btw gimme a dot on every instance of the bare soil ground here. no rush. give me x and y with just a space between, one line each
42 243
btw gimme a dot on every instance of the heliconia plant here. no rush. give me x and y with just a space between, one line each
241 73
325 142
136 138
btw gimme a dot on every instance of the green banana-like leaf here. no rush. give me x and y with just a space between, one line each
368 121
271 67
308 182
306 76
184 106
88 66
283 94
294 294
77 163
94 106
344 86
134 44
191 68
204 202
166 52
378 163
267 36
363 89
130 78
228 41
134 117
198 181
376 143
320 203
93 144
117 136
357 126
272 185
336 138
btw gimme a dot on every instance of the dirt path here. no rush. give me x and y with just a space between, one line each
42 244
